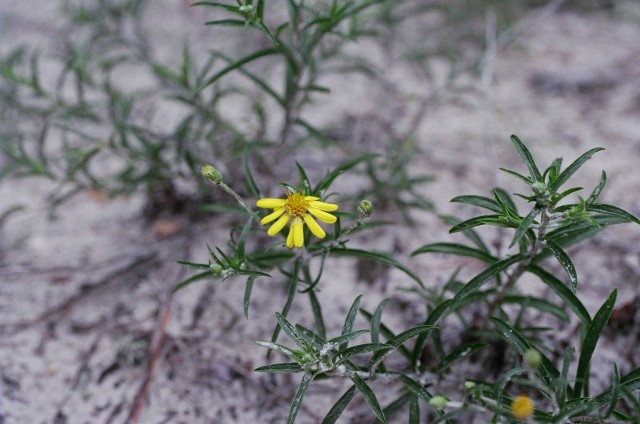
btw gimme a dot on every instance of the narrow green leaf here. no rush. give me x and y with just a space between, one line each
216 4
379 257
491 271
188 281
576 407
612 210
596 191
251 182
369 396
239 254
399 339
525 224
317 314
495 220
564 292
268 259
364 348
342 340
565 261
284 367
247 295
526 157
314 339
455 249
351 317
563 382
338 408
571 169
375 321
469 233
573 233
195 265
297 399
291 331
540 304
237 64
481 201
527 180
505 379
589 343
615 392
414 411
553 170
304 180
227 22
631 382
415 388
556 198
278 348
503 198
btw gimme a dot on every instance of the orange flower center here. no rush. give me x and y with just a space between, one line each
296 205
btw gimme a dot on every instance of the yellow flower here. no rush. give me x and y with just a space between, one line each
300 210
522 407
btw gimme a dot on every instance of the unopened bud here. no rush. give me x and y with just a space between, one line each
365 208
438 402
469 385
539 188
532 358
215 268
212 174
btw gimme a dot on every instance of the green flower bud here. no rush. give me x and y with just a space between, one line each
215 268
532 358
469 385
212 174
365 208
438 402
539 188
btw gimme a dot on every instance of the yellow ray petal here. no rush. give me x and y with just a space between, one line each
290 238
279 225
313 226
311 198
272 216
270 203
298 233
323 206
322 216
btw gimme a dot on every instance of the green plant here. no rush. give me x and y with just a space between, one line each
488 313
88 126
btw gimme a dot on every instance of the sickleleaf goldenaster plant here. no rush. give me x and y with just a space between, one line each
300 209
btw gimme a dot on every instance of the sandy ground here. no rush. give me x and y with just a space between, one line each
81 295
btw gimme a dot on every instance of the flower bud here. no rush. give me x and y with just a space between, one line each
215 268
539 188
365 208
212 174
522 407
438 402
469 385
532 358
